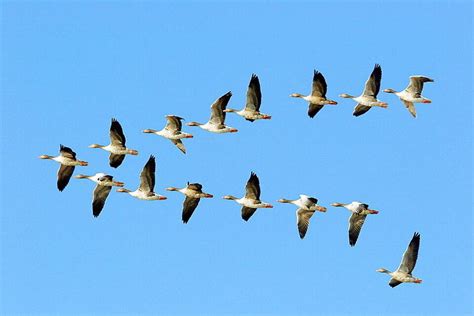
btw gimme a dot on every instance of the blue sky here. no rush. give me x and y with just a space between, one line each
68 68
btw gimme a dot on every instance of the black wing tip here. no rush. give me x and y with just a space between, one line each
377 66
416 236
352 243
151 159
245 218
302 236
228 94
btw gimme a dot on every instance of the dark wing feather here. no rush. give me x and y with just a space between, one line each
303 218
64 175
313 109
252 189
411 255
372 85
360 109
319 85
101 193
189 205
147 176
218 107
355 225
67 152
179 144
394 283
247 212
416 85
254 94
116 160
117 136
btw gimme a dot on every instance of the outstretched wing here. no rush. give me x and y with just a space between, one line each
67 152
117 136
319 85
411 255
252 189
147 176
116 160
355 225
247 212
64 175
254 94
217 109
101 193
313 109
360 109
302 220
416 85
372 85
174 123
189 205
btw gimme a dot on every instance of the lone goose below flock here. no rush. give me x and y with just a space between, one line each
317 99
193 193
403 273
116 147
306 207
68 161
251 201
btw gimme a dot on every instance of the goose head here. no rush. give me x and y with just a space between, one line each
229 197
149 131
123 190
193 124
389 91
45 157
96 146
382 270
296 95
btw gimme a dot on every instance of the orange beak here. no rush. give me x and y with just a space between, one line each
162 198
83 163
321 208
266 117
189 136
118 184
209 196
373 211
234 130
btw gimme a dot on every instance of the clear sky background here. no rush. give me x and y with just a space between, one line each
68 68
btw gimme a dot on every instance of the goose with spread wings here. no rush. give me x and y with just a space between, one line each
251 112
368 98
193 193
104 185
68 161
317 99
172 131
147 183
251 201
359 213
307 205
412 93
116 147
404 271
216 123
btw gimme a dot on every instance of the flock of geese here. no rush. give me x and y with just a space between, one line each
250 202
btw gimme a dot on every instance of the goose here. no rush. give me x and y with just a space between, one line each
68 161
359 213
368 98
172 131
216 122
101 192
403 273
116 147
193 193
306 207
147 183
251 112
251 201
317 99
412 93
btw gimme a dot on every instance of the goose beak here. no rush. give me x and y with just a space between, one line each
426 101
418 281
321 208
162 198
118 184
234 130
267 117
189 136
373 212
209 196
269 206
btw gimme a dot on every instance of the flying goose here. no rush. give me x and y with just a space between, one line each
306 207
193 193
216 121
147 183
317 99
101 192
68 161
359 213
172 131
251 112
116 147
368 98
412 93
251 201
403 273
